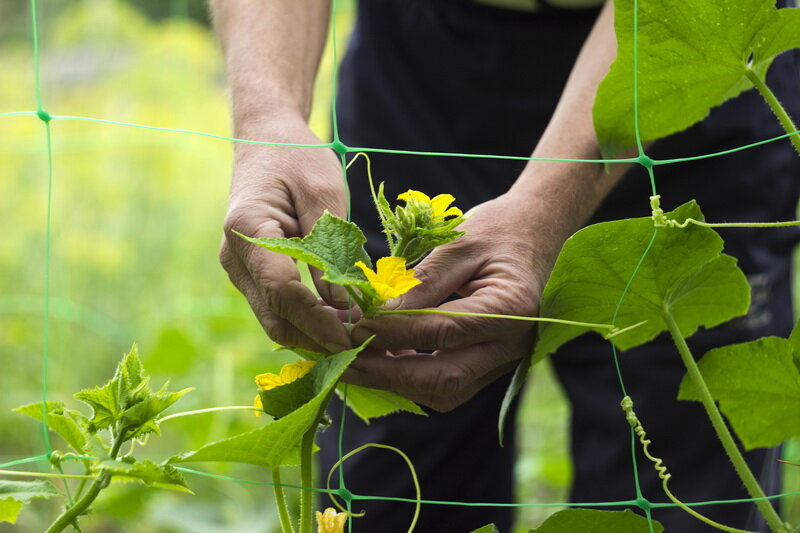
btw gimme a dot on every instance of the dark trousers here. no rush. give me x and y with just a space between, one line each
458 457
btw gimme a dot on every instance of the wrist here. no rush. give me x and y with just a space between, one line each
268 120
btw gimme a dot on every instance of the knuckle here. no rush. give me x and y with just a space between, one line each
449 380
278 331
447 334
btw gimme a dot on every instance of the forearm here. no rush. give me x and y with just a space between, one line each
563 195
272 51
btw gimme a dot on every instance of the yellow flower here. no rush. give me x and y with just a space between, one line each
289 373
440 204
392 279
330 521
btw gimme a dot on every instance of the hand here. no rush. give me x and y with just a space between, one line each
497 267
281 192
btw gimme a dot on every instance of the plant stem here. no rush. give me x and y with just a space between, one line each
43 474
280 500
491 315
723 433
71 514
776 107
208 410
307 479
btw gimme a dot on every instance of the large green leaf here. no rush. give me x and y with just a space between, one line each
590 520
268 446
333 246
692 56
70 425
15 494
147 472
757 385
684 272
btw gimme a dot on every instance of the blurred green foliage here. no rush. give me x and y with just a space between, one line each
136 227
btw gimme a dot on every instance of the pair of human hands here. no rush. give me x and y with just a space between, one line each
281 192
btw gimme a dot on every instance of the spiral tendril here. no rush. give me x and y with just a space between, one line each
658 463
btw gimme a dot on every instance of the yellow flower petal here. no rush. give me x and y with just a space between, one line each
452 212
268 381
257 403
440 203
414 196
330 521
391 279
370 274
296 370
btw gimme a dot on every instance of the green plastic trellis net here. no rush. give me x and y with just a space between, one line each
47 117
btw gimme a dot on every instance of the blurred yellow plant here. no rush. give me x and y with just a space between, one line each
289 373
330 521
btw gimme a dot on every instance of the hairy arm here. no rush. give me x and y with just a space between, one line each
272 50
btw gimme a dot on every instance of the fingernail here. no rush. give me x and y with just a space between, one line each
394 303
361 334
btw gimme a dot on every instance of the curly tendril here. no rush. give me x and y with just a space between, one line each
661 469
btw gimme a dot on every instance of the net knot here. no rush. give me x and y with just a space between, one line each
43 115
345 494
643 503
339 147
645 161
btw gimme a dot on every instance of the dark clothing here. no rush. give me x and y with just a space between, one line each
454 76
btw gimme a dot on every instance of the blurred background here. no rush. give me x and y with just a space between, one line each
137 219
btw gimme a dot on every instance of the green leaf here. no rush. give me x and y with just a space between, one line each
126 402
72 426
489 528
141 416
147 472
579 520
514 388
364 402
268 446
9 510
108 401
373 403
15 494
794 338
757 386
333 246
684 272
692 56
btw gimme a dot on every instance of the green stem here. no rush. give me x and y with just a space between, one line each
723 433
362 304
280 500
43 474
307 479
71 513
491 315
209 410
776 107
